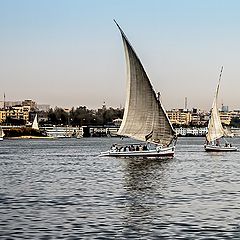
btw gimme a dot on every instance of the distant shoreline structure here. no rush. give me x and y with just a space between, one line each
103 131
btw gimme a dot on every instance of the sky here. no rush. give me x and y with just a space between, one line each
69 53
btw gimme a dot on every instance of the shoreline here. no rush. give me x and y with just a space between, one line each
29 137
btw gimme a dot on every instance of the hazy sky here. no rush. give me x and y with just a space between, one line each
70 53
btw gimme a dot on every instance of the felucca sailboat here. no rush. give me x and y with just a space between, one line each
215 138
35 123
144 116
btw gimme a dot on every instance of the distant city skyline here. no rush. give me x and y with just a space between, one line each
70 53
10 103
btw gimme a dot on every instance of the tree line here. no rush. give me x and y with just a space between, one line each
82 116
75 117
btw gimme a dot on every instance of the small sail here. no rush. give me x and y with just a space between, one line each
35 123
2 134
144 116
215 128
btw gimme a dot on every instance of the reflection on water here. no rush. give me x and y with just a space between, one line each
143 181
61 189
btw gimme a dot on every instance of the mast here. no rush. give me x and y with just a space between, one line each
220 76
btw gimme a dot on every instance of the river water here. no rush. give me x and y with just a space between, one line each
61 189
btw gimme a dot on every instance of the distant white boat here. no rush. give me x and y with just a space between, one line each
216 132
144 116
2 134
63 132
35 123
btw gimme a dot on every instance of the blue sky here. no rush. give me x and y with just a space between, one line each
69 53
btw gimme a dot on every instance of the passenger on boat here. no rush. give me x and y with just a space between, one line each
131 148
115 148
145 148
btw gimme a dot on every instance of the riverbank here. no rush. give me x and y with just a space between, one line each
29 137
24 133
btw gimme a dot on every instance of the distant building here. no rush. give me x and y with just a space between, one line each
16 112
224 108
43 107
235 114
103 131
191 131
22 110
194 110
195 119
63 132
31 103
9 104
179 116
225 117
42 116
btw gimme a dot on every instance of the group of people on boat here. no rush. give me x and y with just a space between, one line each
217 143
128 148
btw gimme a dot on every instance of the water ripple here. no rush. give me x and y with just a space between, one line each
62 190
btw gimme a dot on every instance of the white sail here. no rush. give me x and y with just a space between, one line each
35 123
144 116
2 134
215 128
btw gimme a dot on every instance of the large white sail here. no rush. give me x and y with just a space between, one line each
144 116
35 123
215 128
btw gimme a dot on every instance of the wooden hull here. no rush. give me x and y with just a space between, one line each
213 148
155 154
